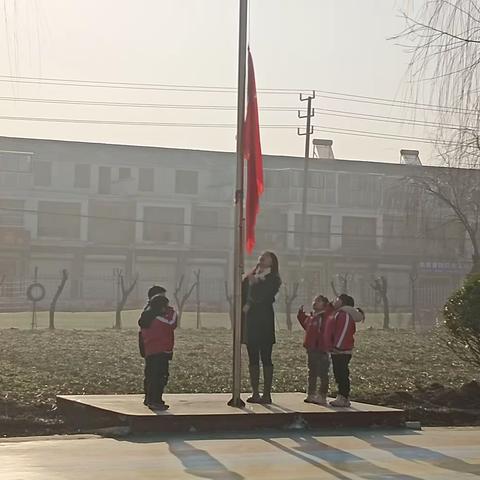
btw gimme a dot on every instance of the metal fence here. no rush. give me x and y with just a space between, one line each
102 292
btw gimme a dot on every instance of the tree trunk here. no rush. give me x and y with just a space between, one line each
197 294
380 287
53 304
179 316
289 298
386 313
476 264
413 293
230 304
334 290
118 318
180 301
288 317
125 292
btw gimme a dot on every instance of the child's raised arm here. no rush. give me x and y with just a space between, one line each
302 317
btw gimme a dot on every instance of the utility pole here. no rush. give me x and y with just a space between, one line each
308 131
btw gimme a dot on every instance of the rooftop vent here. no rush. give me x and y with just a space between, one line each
323 148
410 157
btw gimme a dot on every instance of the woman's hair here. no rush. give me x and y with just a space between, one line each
274 268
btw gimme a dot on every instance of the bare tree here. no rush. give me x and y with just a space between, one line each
53 304
229 298
290 294
343 284
380 285
197 291
458 190
124 293
181 299
444 37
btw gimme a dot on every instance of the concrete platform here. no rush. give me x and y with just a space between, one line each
433 454
210 412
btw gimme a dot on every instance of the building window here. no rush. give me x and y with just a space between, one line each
104 180
15 162
317 231
124 173
322 187
42 173
58 219
358 190
443 236
186 182
163 224
146 180
111 223
277 178
209 228
359 232
271 230
400 233
82 176
11 212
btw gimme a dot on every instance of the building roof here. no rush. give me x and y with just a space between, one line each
96 152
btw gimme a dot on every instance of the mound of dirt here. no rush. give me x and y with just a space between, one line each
467 397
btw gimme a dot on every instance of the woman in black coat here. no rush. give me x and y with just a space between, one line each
260 287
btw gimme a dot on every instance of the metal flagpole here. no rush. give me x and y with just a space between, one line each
236 401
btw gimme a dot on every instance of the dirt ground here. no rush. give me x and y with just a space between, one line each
395 368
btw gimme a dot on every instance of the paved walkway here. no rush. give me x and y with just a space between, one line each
436 453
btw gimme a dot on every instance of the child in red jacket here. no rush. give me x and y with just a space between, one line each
152 292
318 359
340 334
157 324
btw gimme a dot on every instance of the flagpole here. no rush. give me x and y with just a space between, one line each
236 401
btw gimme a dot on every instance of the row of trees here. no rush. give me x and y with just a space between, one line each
183 292
444 38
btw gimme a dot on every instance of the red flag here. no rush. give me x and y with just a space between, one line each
252 152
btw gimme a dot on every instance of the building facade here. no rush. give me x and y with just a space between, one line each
97 209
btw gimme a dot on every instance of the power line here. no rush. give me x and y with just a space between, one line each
176 106
138 105
339 131
383 118
133 123
383 136
225 89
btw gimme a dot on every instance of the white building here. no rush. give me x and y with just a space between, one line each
162 213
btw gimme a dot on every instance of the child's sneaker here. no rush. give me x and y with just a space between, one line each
340 401
310 399
321 399
158 406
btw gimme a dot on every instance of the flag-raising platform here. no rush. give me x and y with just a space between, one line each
205 412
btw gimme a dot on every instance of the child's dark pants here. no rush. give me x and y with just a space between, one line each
341 372
156 376
318 366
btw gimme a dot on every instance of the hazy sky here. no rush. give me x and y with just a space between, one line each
330 45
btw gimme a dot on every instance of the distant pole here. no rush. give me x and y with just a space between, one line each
413 294
34 309
236 400
308 131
